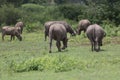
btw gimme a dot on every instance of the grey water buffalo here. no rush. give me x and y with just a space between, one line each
82 25
21 25
58 32
12 31
95 34
66 25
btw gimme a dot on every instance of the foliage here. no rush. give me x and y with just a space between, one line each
60 1
41 2
33 27
41 14
9 15
33 7
2 2
71 11
93 13
16 3
110 29
58 63
32 12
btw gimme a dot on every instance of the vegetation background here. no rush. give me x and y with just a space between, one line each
34 13
30 60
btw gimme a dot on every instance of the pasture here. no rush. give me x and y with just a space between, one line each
77 62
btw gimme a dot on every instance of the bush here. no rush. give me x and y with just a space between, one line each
60 63
34 16
37 13
33 7
110 28
57 63
9 15
71 11
32 13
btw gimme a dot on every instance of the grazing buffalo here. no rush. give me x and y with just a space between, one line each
58 32
66 25
95 34
12 31
82 26
21 25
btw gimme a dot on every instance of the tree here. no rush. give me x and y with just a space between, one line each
2 2
9 15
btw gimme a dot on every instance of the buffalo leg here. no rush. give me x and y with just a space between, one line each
50 45
100 43
58 44
21 30
12 38
92 45
92 42
64 43
45 35
97 46
3 37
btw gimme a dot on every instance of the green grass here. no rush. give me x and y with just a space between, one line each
103 65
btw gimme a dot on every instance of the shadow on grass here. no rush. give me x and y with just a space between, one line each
62 51
103 50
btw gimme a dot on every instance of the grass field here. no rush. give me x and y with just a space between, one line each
103 65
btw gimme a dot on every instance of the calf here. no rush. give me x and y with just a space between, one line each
12 31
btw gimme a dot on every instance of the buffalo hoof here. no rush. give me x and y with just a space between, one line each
63 48
50 51
59 50
97 50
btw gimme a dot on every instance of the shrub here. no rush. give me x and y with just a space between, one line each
33 7
60 63
57 63
36 15
32 27
71 11
10 14
110 28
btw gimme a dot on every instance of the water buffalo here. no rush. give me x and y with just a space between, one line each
58 32
21 25
95 34
66 25
82 26
12 31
